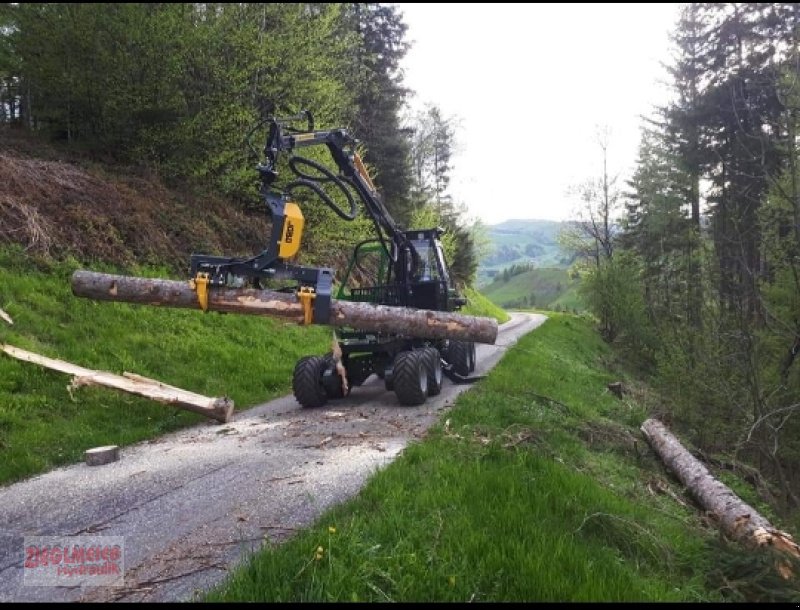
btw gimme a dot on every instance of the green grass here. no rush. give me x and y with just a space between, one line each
479 305
530 490
569 300
41 425
544 288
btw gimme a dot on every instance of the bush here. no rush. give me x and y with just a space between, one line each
612 293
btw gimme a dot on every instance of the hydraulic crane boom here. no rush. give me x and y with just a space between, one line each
342 148
288 221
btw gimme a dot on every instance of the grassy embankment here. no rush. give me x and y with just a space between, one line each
534 487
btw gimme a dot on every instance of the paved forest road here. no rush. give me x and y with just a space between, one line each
191 503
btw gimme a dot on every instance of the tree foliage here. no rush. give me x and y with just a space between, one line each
374 74
711 236
432 148
175 88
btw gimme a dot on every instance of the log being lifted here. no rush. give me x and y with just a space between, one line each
421 323
220 409
736 518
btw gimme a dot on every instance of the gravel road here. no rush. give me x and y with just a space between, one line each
192 504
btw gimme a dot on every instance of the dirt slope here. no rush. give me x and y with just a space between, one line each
54 204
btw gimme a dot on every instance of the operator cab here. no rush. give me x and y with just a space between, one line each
430 257
416 279
429 283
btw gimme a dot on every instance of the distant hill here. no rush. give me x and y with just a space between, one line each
516 242
546 288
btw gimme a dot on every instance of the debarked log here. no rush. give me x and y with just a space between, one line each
219 408
419 323
737 519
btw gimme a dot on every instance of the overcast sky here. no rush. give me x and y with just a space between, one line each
528 85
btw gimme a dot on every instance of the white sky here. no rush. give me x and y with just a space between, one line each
529 84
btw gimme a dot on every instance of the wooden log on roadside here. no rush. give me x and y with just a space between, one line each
419 323
737 519
220 409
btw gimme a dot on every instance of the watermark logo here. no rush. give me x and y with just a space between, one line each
74 561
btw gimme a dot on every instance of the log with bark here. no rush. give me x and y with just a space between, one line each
420 323
220 409
737 519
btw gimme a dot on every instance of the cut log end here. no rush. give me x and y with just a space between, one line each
102 455
223 409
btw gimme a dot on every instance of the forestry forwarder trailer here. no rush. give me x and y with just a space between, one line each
412 273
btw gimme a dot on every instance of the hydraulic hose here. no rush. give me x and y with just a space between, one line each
311 182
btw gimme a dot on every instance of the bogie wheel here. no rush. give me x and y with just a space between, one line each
458 355
410 378
307 381
433 363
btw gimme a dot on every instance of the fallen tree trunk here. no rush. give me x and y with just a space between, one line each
737 519
220 409
421 323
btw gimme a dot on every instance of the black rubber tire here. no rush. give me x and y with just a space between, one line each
473 356
410 378
433 363
307 382
458 357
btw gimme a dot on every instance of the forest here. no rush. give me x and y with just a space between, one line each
693 265
175 89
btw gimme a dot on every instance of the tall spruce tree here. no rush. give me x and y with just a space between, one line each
375 77
657 228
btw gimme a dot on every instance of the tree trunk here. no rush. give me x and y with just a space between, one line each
737 519
220 409
420 323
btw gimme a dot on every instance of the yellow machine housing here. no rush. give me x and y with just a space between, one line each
292 231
